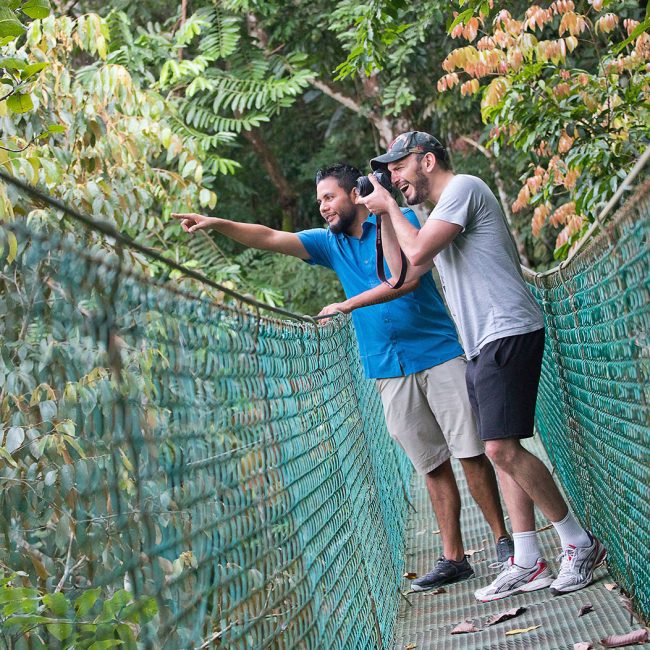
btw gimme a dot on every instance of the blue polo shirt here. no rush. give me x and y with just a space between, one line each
395 338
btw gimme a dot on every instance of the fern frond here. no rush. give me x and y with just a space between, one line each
205 119
223 38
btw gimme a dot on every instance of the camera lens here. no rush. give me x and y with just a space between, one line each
383 176
364 186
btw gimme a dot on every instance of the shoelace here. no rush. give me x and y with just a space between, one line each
568 555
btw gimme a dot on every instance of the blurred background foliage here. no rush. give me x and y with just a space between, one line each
131 110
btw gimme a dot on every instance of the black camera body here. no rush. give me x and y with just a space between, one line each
365 187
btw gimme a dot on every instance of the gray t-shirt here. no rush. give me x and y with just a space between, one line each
480 271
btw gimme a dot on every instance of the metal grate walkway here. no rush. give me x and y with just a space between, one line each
427 622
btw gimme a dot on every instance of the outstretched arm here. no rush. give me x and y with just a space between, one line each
252 235
374 296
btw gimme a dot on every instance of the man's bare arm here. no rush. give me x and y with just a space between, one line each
250 234
392 248
421 246
375 296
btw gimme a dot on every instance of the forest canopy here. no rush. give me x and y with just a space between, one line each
128 111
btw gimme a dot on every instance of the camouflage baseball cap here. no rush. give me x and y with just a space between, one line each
408 143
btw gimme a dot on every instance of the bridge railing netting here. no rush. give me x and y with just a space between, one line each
593 409
178 473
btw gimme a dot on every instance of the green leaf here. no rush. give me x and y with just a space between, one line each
13 594
48 409
461 18
20 103
56 603
60 631
15 438
86 601
33 68
12 63
36 8
57 128
7 457
10 26
13 247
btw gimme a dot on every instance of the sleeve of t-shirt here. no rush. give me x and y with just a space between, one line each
455 205
316 244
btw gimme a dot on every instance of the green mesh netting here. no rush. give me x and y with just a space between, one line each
176 473
593 410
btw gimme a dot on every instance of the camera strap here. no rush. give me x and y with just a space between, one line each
380 260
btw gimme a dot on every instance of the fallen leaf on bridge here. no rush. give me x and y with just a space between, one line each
472 551
522 630
505 616
618 640
465 627
583 646
435 592
409 575
610 586
585 609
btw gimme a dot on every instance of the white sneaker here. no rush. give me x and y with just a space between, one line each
515 579
577 566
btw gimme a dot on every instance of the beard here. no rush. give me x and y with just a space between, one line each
346 218
420 187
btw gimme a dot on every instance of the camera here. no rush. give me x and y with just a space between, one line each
365 187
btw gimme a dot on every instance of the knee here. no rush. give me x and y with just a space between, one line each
503 453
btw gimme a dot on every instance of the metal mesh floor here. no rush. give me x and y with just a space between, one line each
428 620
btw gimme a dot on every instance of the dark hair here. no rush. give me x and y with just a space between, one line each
442 157
345 175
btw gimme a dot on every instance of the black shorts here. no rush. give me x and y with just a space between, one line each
502 382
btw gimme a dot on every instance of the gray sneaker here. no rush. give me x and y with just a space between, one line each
445 572
577 566
505 549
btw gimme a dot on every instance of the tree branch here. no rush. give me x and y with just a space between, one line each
287 196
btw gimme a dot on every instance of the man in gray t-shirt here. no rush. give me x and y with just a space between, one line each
502 331
480 270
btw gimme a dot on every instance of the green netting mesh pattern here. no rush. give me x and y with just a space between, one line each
224 479
593 410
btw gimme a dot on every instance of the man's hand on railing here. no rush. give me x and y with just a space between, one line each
332 310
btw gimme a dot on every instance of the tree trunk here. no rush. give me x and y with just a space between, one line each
287 197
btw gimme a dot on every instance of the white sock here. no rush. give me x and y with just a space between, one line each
571 532
526 549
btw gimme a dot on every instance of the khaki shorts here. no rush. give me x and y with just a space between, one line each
429 414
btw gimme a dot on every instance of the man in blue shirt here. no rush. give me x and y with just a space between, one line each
409 345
